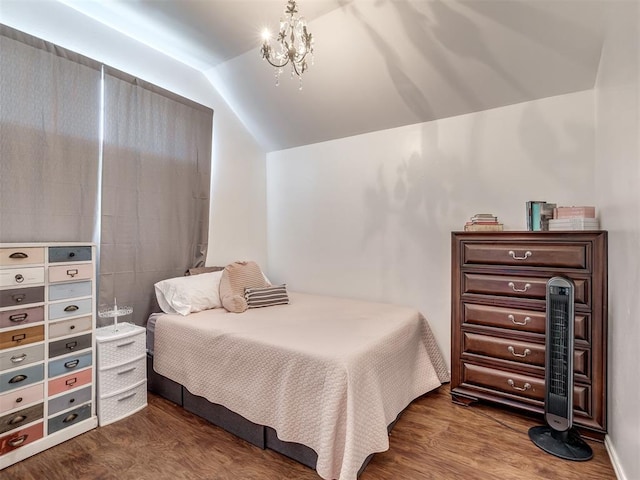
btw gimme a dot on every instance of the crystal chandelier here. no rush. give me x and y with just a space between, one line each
293 44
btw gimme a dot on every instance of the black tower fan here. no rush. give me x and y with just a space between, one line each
558 437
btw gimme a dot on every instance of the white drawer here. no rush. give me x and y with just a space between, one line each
120 349
122 404
69 327
13 277
121 377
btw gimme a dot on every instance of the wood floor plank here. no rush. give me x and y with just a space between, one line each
434 439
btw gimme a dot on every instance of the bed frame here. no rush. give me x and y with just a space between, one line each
258 435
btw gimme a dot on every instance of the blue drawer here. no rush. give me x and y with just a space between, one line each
69 364
69 290
69 418
21 378
70 309
69 254
68 400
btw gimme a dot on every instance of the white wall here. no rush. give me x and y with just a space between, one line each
618 196
370 216
237 226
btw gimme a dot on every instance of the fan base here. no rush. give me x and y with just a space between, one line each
567 445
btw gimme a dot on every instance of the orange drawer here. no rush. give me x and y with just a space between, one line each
20 438
69 382
517 319
526 254
21 336
64 273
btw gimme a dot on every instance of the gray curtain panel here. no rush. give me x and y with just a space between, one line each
155 190
49 141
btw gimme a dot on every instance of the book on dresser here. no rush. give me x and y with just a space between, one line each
47 345
498 319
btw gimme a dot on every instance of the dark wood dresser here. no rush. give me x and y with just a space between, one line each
498 288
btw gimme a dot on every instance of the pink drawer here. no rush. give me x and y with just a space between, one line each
64 273
23 396
20 438
69 382
22 316
21 256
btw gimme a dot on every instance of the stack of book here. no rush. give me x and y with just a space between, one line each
574 218
483 222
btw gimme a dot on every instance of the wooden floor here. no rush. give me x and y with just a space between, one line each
434 439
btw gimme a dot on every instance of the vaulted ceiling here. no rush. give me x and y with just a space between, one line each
378 64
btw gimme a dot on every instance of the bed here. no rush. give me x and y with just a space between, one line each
321 379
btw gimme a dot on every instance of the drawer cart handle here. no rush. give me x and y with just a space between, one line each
18 338
71 308
18 317
18 255
18 379
16 442
125 344
72 272
18 298
18 358
19 278
527 254
70 418
71 345
123 372
72 363
522 355
527 286
18 419
71 381
524 388
126 397
524 322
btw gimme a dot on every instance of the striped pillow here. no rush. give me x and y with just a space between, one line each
266 296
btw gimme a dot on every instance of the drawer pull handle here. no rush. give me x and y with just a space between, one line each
72 363
126 397
71 345
71 308
18 317
16 442
18 379
18 298
19 400
524 388
72 272
18 419
18 358
70 418
125 344
71 381
524 322
19 278
522 355
18 255
527 286
527 254
123 372
72 254
18 338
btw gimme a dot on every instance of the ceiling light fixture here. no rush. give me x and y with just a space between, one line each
293 44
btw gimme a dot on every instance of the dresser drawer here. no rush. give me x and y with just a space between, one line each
120 377
20 438
21 316
526 254
120 350
119 405
21 296
517 319
21 336
70 308
69 364
69 418
21 378
21 356
21 417
69 254
69 400
16 277
65 273
22 396
21 256
61 291
68 345
518 351
518 286
63 328
70 382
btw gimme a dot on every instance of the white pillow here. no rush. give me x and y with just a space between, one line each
189 294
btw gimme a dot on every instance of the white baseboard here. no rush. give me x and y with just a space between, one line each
614 459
